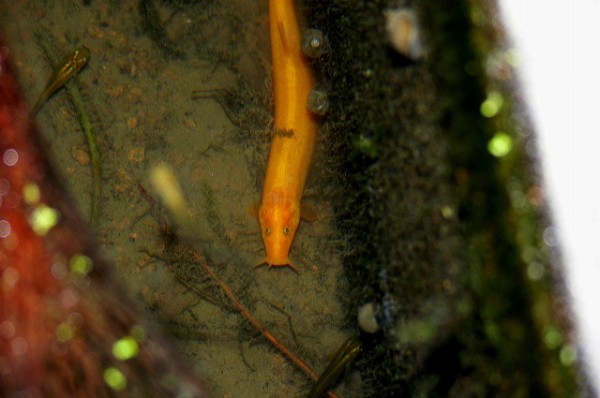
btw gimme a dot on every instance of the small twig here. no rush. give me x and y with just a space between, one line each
250 318
167 187
258 326
90 137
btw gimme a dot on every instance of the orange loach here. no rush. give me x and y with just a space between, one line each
293 139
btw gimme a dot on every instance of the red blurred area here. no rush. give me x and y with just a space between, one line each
61 316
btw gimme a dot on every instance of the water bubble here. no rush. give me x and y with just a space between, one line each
535 271
7 329
5 228
314 43
69 298
549 236
4 186
318 100
10 277
59 270
10 157
19 346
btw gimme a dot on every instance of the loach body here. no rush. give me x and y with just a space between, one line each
69 67
294 137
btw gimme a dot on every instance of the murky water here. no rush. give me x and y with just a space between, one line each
147 59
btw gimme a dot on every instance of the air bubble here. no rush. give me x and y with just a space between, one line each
5 228
11 157
19 346
4 186
318 100
314 43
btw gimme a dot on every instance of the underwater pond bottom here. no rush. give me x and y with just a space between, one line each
428 209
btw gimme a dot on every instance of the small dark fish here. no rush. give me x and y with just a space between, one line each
69 67
341 360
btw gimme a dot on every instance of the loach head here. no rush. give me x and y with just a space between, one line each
278 226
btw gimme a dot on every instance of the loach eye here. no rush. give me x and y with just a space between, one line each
286 230
267 231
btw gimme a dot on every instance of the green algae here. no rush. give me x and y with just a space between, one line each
472 297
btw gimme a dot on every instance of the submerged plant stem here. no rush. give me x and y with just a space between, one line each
90 137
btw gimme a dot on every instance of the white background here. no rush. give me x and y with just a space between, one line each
559 48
